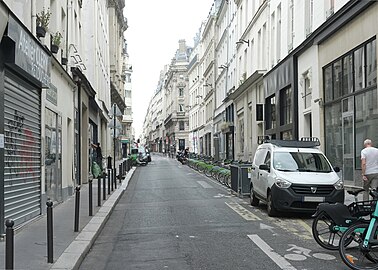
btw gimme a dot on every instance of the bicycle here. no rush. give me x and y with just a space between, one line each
332 220
358 245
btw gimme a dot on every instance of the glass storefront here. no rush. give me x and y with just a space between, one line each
351 109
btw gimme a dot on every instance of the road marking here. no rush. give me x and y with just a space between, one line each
204 184
244 213
278 259
221 196
267 227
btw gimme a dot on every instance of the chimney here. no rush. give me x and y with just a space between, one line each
182 46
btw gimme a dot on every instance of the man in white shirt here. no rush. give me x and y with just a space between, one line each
369 166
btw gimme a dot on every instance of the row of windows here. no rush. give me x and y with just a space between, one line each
352 72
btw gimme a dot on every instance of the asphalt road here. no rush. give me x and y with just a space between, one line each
172 217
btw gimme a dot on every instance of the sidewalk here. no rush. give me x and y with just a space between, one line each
30 246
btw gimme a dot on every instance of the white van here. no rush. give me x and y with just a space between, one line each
293 176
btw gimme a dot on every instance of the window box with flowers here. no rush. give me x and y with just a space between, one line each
43 20
56 39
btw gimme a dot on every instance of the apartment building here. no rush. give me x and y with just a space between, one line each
175 101
54 61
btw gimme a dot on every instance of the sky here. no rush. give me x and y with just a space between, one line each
154 30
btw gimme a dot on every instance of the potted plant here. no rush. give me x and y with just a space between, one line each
56 39
43 20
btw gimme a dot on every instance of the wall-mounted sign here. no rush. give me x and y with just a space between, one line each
52 94
29 54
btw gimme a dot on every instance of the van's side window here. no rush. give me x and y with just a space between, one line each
259 156
267 159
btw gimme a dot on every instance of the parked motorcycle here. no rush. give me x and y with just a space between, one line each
182 157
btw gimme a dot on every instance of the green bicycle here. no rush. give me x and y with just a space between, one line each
358 245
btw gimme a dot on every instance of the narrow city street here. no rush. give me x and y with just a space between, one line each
172 217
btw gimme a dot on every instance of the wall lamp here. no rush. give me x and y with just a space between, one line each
223 67
241 41
208 84
319 101
198 96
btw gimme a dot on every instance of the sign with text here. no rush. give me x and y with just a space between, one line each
29 54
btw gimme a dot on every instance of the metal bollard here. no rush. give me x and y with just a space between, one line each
111 180
120 173
104 187
115 178
50 232
90 181
99 191
77 208
9 244
109 177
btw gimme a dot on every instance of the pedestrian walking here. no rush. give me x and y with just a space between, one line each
369 166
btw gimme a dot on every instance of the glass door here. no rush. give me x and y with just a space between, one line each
53 153
347 137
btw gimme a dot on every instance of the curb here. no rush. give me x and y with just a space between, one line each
75 253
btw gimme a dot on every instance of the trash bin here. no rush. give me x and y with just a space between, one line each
240 178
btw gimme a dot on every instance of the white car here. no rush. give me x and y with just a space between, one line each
293 176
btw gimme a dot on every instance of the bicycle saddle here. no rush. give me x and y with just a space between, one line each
355 192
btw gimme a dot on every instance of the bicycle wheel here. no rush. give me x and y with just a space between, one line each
353 254
208 171
324 232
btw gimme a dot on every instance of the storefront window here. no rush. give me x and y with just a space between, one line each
366 121
286 115
348 74
371 63
337 81
333 131
359 69
328 92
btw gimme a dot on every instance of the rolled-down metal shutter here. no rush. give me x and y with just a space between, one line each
22 157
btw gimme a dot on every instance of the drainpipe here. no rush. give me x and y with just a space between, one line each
33 17
79 130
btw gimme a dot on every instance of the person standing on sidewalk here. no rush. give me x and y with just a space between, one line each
369 166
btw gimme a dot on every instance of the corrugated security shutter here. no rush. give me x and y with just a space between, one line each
22 168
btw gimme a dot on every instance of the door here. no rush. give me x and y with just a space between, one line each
255 174
22 153
53 153
347 137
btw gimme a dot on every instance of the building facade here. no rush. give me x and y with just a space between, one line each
55 73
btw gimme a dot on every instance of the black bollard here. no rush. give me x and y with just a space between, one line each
109 177
90 181
104 187
120 173
77 208
99 191
50 232
111 180
9 244
115 178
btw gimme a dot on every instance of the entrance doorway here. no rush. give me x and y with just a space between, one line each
53 155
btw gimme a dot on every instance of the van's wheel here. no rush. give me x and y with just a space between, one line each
253 199
272 211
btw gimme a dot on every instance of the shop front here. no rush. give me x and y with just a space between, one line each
25 69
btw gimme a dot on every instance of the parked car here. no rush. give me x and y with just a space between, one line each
293 176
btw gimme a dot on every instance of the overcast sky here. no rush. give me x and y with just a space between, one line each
155 27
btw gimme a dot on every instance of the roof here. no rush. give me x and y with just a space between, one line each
305 142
